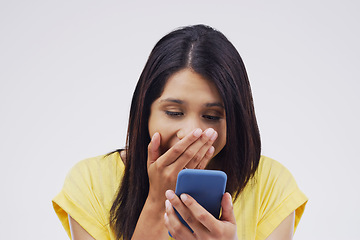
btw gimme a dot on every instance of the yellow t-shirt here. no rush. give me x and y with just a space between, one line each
91 185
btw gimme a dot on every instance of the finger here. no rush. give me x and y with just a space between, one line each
183 210
176 228
208 156
227 209
196 152
202 216
179 148
154 149
206 152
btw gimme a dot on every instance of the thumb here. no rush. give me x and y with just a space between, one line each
227 209
153 149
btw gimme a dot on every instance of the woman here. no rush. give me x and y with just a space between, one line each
192 108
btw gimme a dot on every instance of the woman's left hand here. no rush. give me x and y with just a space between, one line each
204 225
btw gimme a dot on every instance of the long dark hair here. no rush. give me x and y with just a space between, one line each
210 54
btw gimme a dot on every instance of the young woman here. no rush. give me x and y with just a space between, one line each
192 108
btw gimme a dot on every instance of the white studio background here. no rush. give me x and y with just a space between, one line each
68 70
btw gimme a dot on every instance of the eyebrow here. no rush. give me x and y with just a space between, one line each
215 104
173 100
178 101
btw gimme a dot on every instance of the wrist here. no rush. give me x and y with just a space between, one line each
150 224
156 196
155 205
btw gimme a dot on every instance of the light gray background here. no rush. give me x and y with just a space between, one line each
68 70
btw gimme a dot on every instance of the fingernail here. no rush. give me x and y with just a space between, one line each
197 132
211 150
183 197
167 204
169 194
209 132
154 136
230 199
166 217
214 136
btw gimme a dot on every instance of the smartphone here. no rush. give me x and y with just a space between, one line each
206 186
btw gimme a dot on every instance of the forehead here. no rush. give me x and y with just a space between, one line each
189 84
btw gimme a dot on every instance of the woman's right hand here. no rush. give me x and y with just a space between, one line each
193 151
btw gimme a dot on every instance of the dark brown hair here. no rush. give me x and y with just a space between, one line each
209 53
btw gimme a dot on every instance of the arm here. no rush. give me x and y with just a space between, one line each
77 231
150 224
285 230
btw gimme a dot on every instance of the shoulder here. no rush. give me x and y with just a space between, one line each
272 170
106 160
274 180
88 192
96 176
269 197
268 164
278 193
108 165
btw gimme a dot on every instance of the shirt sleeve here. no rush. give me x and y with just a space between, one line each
81 202
280 196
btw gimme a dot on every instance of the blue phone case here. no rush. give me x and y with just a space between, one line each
206 186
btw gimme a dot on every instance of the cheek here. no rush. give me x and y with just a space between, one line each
221 140
220 143
167 133
155 123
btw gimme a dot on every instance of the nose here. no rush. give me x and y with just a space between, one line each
188 126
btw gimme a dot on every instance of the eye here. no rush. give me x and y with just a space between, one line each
211 118
174 114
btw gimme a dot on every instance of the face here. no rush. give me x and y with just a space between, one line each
188 101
